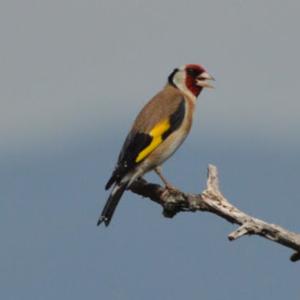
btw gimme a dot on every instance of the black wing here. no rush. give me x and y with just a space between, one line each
133 145
137 142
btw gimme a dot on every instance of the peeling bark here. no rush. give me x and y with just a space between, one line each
212 200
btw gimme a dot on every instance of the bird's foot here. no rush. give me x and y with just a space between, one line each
169 190
170 187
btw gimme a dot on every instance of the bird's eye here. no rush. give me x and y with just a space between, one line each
192 72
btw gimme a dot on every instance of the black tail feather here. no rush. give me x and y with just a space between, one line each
111 181
111 203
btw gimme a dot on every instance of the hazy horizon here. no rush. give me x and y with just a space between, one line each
73 76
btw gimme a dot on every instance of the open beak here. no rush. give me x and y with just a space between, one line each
202 80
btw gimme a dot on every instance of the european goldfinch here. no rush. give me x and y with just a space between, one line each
157 132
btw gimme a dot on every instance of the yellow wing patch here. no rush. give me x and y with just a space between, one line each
156 133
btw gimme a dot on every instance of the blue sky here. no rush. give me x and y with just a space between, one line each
73 76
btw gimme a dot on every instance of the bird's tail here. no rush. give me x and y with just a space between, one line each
112 202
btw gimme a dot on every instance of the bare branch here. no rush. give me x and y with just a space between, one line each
211 200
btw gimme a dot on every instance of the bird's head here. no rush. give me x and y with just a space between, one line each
190 79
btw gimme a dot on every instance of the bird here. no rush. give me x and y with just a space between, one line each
157 132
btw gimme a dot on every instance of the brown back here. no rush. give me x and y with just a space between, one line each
159 108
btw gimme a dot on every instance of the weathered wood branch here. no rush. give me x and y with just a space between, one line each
211 200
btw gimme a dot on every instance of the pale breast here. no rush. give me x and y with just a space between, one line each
172 143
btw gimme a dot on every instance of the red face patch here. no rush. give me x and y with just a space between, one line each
192 72
199 68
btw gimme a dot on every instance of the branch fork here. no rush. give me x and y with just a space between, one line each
212 200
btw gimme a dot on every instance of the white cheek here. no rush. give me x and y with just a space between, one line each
179 81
